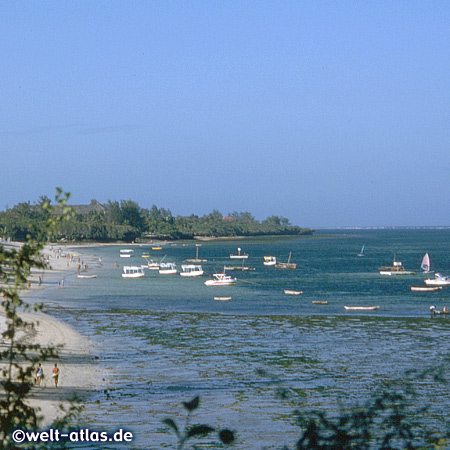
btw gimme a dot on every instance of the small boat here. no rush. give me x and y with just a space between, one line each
425 264
152 264
167 268
220 279
132 272
242 268
361 253
222 299
126 253
195 260
191 270
426 288
269 260
157 247
286 265
396 269
292 292
320 302
239 255
361 308
86 276
438 280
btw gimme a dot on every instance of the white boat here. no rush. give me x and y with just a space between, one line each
426 288
152 264
239 255
361 253
221 279
167 268
438 280
132 272
126 253
222 299
292 292
425 265
269 260
286 265
396 269
362 308
191 270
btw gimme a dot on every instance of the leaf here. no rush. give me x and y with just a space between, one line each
193 404
199 430
171 423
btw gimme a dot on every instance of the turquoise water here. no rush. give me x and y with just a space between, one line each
164 340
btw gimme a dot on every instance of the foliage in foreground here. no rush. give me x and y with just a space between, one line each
19 359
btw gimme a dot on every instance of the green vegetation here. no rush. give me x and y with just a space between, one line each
127 221
19 359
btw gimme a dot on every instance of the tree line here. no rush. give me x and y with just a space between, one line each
126 221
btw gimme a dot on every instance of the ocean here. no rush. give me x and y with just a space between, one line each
255 359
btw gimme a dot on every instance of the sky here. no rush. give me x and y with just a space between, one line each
330 113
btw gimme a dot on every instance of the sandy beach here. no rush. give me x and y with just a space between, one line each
79 375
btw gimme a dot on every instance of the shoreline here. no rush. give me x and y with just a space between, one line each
80 375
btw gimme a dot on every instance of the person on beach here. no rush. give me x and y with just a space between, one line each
39 375
55 375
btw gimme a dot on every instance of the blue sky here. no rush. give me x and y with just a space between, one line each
330 113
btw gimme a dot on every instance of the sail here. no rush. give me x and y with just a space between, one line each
425 266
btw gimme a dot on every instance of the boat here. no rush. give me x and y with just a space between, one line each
221 279
152 264
86 276
126 253
361 253
167 268
132 272
438 280
239 255
222 299
242 268
292 292
320 302
425 265
396 269
361 308
426 288
286 265
157 247
269 260
191 270
195 260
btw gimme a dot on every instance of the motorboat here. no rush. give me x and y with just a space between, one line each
133 272
222 299
438 280
221 279
396 269
167 268
191 270
239 255
126 253
269 260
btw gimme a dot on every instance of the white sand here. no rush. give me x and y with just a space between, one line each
78 372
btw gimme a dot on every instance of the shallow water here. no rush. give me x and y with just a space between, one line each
165 340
